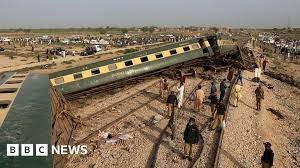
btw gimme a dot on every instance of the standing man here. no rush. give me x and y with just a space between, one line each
219 116
164 86
237 94
240 77
64 54
213 102
268 156
264 63
191 138
257 72
223 87
180 93
39 57
230 73
171 103
259 93
213 89
161 85
199 98
182 79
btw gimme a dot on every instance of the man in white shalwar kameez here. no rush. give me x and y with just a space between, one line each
180 93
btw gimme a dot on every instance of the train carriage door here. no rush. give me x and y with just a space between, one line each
213 42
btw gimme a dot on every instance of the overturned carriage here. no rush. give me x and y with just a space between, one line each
28 97
98 76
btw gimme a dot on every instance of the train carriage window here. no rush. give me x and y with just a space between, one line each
144 59
205 50
77 76
4 104
173 52
187 48
14 82
158 55
112 67
202 43
95 71
128 63
59 80
8 90
195 46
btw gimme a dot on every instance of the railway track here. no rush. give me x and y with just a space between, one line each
137 101
214 150
164 132
105 110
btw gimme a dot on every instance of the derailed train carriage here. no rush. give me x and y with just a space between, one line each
129 66
40 115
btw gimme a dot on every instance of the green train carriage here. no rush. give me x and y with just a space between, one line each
138 63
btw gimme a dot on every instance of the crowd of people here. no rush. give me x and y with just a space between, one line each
217 103
290 48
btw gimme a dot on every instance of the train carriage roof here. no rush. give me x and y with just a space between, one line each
28 121
122 57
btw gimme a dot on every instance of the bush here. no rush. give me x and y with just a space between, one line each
130 50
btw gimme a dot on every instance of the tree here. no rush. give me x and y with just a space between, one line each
102 30
215 29
124 30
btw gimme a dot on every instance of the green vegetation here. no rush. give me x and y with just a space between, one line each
148 29
68 62
101 30
129 50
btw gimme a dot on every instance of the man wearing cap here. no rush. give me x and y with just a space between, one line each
268 156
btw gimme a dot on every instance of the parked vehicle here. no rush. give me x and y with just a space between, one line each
94 42
97 47
90 50
66 41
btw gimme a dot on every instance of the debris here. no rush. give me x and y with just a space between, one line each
283 78
114 139
156 119
92 166
276 112
269 86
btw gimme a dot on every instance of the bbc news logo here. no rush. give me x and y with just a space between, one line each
42 150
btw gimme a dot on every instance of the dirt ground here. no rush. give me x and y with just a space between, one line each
150 147
27 60
247 129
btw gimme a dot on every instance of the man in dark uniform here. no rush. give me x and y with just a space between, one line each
223 87
191 138
259 93
218 115
172 103
230 73
268 156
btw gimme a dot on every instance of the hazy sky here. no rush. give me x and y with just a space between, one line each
94 13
